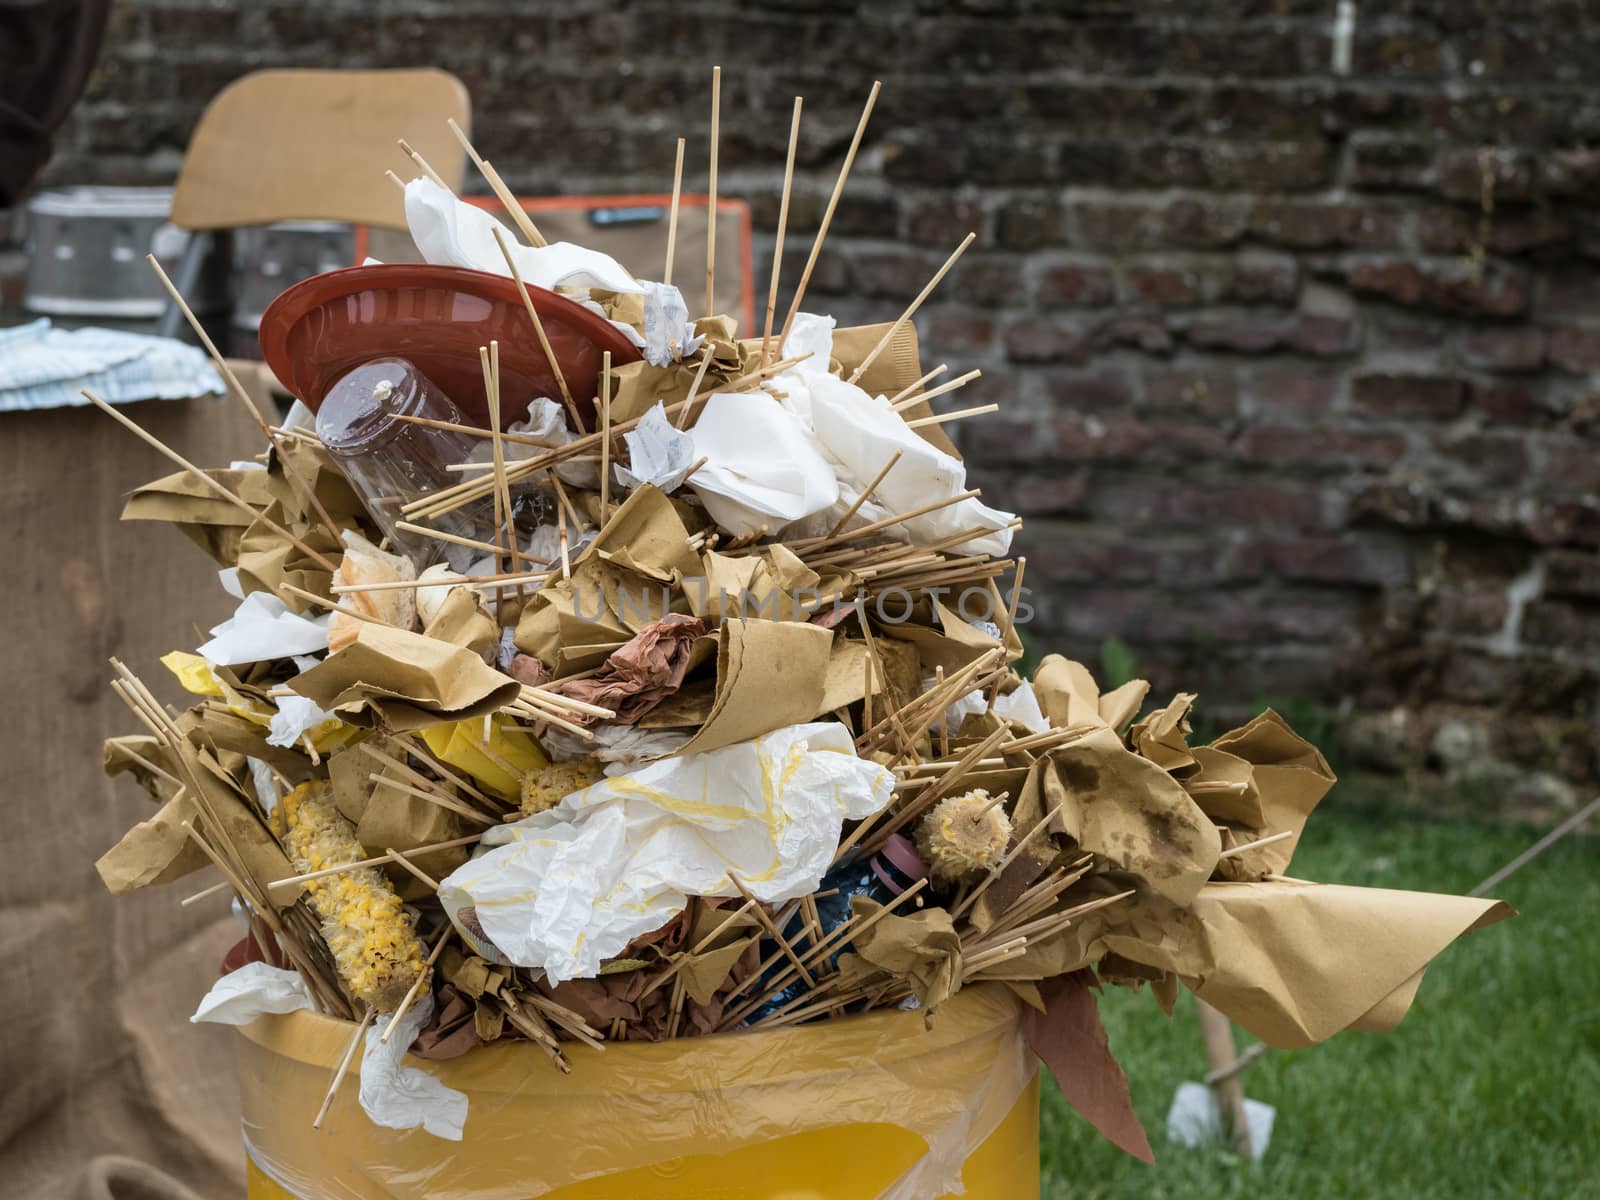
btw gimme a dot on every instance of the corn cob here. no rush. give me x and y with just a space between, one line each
544 787
374 945
959 839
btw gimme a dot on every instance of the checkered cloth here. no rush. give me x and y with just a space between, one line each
43 367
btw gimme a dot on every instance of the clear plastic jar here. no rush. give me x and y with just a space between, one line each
390 463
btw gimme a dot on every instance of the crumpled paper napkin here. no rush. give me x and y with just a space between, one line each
566 889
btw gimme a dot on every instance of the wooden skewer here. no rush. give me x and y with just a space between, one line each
513 209
911 309
396 180
422 165
408 865
303 485
783 222
470 839
866 493
422 978
491 365
210 891
1257 844
434 798
995 803
694 389
894 400
451 498
711 193
959 414
605 436
544 339
412 744
221 489
772 930
897 518
455 538
1011 617
672 214
332 606
520 439
827 215
900 405
944 715
344 1066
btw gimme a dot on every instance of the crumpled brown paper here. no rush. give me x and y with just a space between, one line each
1070 1039
640 674
769 675
404 681
921 946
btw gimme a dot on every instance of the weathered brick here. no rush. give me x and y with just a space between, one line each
1316 224
1044 340
1100 391
1368 560
1324 449
1498 458
891 273
1051 494
1574 348
1239 334
1510 231
1429 397
993 281
1447 286
960 329
1382 164
1325 336
1509 404
1178 223
1293 391
1572 573
1210 393
1169 502
1572 468
1027 223
941 220
1504 347
1562 624
1075 283
1002 440
1475 612
1097 439
1132 329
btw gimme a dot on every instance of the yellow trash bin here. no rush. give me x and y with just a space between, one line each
876 1107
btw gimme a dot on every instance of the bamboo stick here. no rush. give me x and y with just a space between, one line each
959 414
378 861
300 482
422 165
711 192
866 492
783 222
221 489
904 402
513 208
911 309
605 436
344 1066
672 214
827 215
544 338
416 988
894 400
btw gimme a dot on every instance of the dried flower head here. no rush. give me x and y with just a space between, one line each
964 836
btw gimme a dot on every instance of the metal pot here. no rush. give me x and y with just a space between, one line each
86 249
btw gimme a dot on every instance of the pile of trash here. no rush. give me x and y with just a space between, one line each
687 700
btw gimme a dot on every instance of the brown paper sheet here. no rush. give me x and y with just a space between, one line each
404 681
769 675
922 947
1071 1040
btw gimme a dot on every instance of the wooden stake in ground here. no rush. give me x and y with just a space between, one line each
672 214
827 215
711 194
1217 1031
783 223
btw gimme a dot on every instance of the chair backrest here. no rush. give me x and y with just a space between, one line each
313 145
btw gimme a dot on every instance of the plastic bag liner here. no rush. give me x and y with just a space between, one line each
874 1107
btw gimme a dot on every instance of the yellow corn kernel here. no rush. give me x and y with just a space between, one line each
544 787
374 945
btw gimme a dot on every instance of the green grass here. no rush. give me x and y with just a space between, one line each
1489 1088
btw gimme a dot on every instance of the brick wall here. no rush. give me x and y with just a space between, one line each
1299 371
